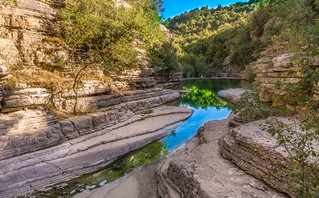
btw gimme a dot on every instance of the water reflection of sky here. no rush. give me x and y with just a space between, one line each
189 128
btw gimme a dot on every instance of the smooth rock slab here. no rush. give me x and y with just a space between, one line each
38 170
232 95
28 131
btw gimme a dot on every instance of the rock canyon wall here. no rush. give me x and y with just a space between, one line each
276 66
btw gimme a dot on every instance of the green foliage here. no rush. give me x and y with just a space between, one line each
246 53
271 30
10 84
7 3
201 23
95 121
249 73
258 19
298 140
164 55
147 111
218 33
194 65
188 71
107 32
202 98
203 92
301 29
218 48
251 109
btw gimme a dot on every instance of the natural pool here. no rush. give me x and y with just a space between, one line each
202 98
204 101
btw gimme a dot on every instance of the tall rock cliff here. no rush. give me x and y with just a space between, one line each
27 31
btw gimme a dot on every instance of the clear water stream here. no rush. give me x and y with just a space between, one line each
202 98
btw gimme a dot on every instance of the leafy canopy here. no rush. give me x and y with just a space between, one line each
108 33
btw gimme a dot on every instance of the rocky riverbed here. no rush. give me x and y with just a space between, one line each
47 167
198 168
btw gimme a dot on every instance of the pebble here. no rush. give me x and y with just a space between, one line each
90 187
103 183
61 186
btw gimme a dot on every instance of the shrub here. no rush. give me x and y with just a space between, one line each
164 55
298 139
194 66
10 84
249 73
246 53
251 109
188 70
107 32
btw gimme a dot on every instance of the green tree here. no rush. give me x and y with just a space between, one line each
164 55
103 34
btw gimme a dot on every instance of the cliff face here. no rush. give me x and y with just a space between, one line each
27 31
274 67
29 42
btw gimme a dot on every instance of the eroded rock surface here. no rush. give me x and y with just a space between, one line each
87 153
31 130
274 68
259 154
202 172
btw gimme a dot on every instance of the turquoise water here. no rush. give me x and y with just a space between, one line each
204 101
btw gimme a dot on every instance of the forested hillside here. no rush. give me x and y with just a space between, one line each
206 37
198 24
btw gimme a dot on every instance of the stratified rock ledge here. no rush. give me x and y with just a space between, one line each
44 168
201 171
258 153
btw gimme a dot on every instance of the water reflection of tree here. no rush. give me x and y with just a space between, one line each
148 154
202 98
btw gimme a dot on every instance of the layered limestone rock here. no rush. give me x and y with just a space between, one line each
21 98
274 68
90 145
29 40
146 98
162 75
31 130
26 29
258 153
200 170
134 79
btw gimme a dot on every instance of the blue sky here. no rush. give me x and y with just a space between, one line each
176 7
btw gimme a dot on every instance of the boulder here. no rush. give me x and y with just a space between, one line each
232 95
